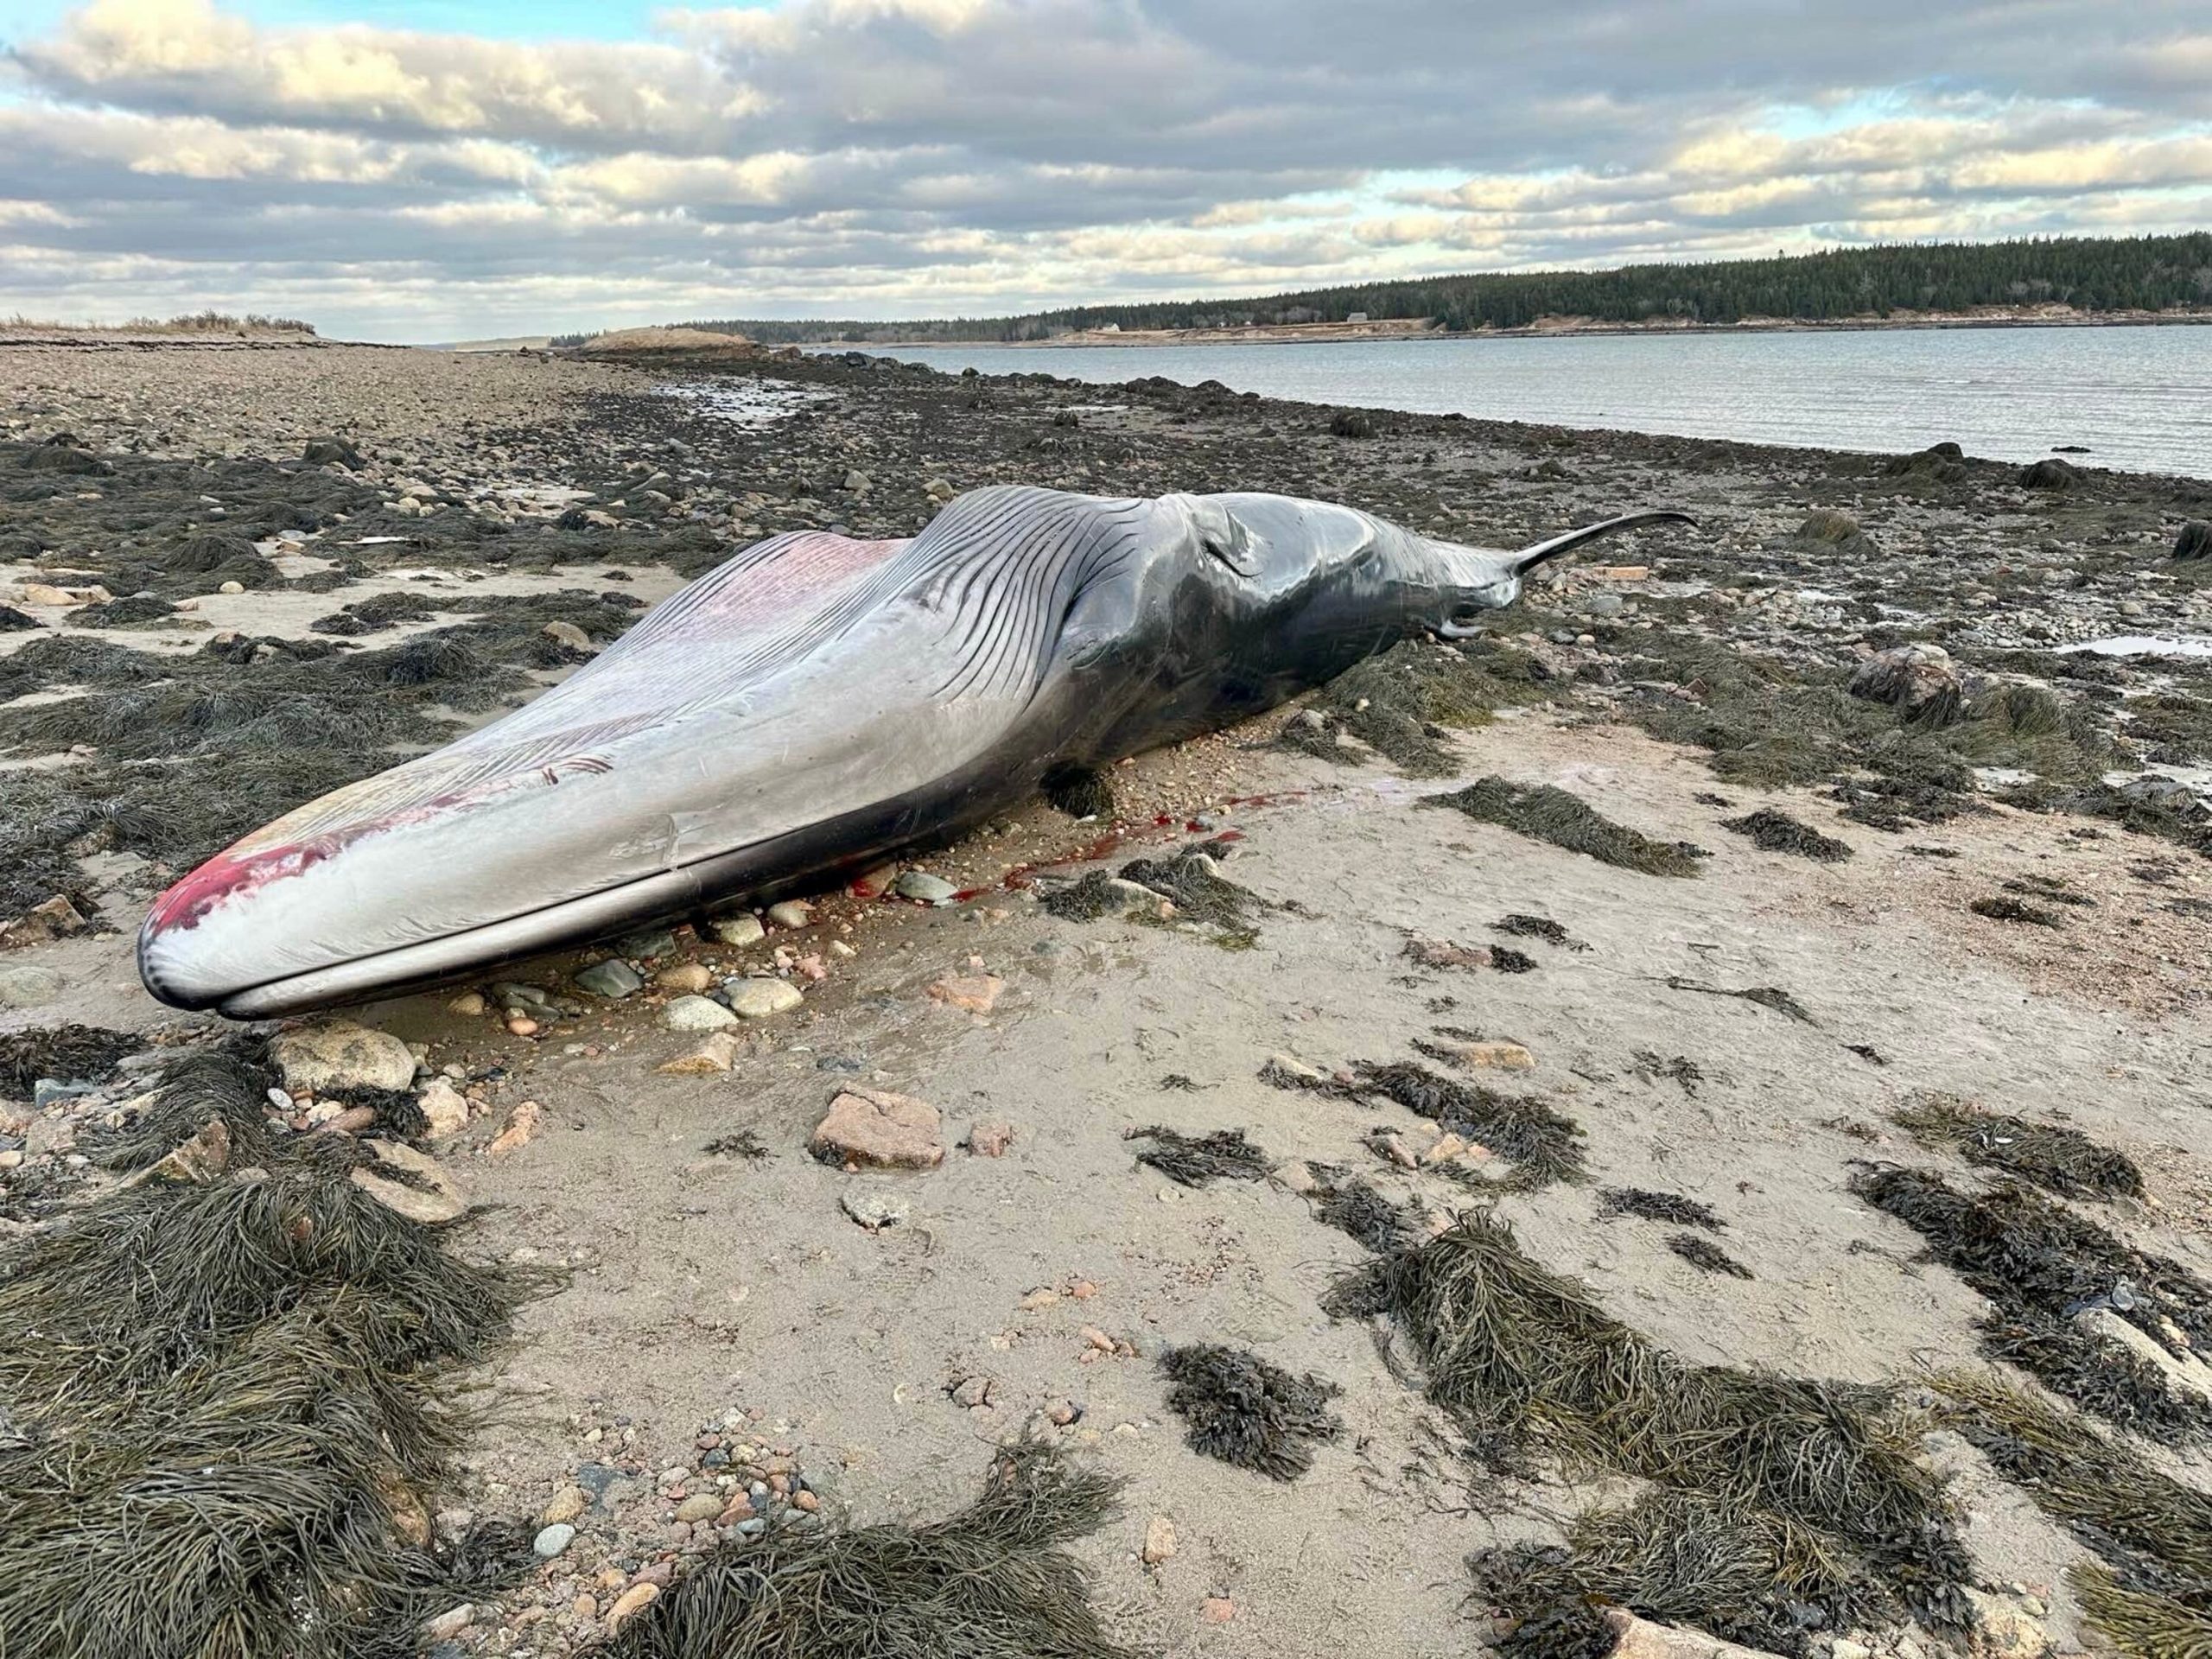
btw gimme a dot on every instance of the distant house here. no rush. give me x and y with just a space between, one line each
1356 316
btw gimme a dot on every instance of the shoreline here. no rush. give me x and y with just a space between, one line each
1419 330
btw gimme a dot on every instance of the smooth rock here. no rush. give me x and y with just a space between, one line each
339 1054
637 1596
567 1504
469 1005
611 978
695 1013
433 1199
991 1140
449 1623
878 1129
742 927
922 886
27 985
792 912
700 1506
762 998
689 978
552 1541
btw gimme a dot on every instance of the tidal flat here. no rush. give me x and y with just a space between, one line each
1238 1210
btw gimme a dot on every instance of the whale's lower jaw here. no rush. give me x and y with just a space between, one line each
814 857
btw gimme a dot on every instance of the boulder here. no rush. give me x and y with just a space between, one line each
1917 681
2050 474
2195 541
339 1054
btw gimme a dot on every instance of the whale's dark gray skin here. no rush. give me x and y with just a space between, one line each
812 705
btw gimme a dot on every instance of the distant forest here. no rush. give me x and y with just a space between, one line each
2144 273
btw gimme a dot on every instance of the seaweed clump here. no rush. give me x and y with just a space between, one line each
1647 1206
64 1053
990 1582
2057 1159
1545 812
1778 832
2150 1591
1783 1506
1542 1144
1244 1411
2044 1268
1706 1256
239 1393
1190 881
1405 703
1196 1160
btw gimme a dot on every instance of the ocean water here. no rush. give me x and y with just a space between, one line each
2137 398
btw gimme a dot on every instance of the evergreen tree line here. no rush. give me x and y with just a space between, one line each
2090 274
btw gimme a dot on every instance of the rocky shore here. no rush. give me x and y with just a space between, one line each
1745 933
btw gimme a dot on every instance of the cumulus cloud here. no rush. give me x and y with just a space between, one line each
926 157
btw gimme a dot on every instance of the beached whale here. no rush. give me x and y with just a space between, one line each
812 705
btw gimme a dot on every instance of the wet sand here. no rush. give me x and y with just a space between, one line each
721 1298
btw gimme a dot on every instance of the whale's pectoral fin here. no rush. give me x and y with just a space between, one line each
1224 536
1536 554
1463 623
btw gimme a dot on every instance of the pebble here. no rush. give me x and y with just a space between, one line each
553 1540
695 1013
874 1210
1159 1540
740 928
689 977
522 1123
611 978
762 998
469 1005
445 1108
716 1052
700 1506
637 1596
522 1025
991 1140
449 1623
567 1504
927 888
792 912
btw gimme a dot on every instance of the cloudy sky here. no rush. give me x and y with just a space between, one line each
426 170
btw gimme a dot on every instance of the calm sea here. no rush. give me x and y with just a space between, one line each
2136 399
